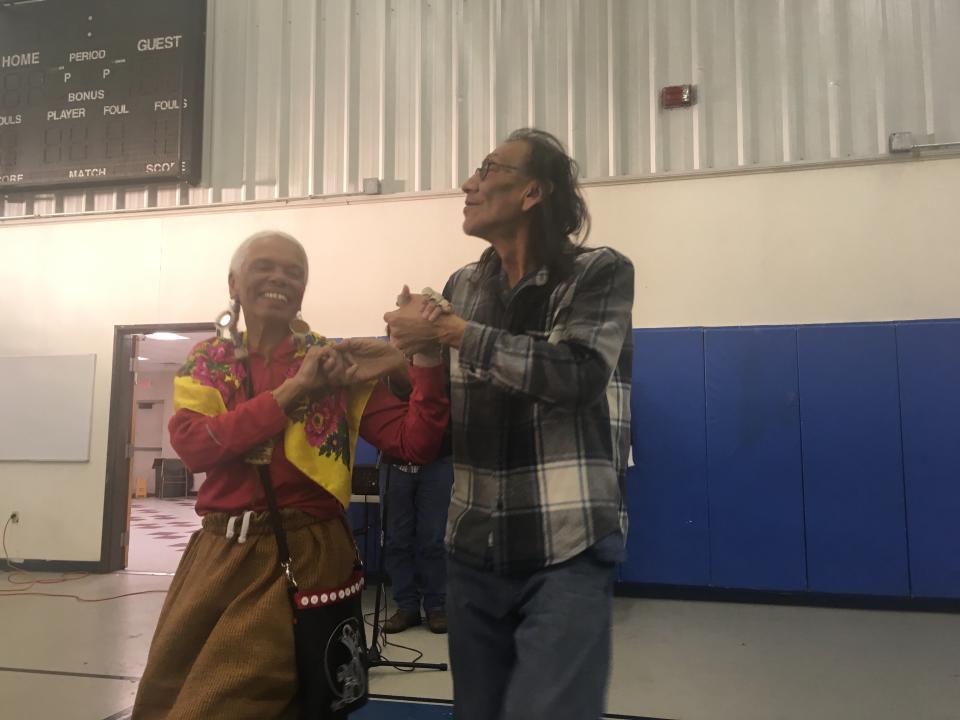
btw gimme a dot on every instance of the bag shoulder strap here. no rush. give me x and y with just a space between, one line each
283 550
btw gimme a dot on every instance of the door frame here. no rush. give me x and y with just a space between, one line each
116 493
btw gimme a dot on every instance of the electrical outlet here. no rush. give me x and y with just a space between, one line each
15 517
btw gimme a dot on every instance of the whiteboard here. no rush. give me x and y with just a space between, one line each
46 406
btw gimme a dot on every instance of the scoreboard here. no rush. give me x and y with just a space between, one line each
100 91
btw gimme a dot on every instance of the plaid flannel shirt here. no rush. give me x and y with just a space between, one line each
540 412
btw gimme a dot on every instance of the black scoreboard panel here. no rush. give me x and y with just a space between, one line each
100 91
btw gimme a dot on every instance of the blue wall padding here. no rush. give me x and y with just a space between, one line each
852 464
819 510
669 538
929 355
753 458
366 454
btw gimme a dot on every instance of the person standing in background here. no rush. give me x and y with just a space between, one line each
416 498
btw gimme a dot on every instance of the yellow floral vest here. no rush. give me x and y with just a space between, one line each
321 434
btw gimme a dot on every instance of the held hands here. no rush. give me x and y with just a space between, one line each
353 361
430 303
434 304
417 327
369 358
324 368
419 322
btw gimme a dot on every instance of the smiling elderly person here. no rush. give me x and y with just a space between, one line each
224 643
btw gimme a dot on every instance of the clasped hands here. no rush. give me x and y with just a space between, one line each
325 368
416 328
331 366
423 322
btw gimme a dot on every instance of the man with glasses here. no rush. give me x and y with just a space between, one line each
539 332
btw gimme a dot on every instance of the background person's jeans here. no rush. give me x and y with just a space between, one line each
415 557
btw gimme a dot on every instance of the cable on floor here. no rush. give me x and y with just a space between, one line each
383 642
32 580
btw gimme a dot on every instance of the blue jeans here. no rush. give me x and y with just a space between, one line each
535 647
415 557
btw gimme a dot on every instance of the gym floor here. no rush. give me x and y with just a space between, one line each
673 659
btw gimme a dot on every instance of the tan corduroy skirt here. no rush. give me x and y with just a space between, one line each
223 647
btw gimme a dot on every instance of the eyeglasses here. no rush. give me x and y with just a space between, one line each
487 165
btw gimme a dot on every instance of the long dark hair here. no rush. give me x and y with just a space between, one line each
561 221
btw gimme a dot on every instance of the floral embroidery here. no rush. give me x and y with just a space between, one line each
301 351
324 420
324 417
213 364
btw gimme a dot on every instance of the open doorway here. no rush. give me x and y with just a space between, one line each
162 489
149 499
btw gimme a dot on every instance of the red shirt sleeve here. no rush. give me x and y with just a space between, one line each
409 430
203 442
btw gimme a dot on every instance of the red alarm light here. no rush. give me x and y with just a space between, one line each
678 96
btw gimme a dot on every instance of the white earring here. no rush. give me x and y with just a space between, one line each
227 319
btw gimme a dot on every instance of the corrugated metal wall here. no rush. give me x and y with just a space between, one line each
308 97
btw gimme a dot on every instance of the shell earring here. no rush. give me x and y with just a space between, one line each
226 319
299 326
227 326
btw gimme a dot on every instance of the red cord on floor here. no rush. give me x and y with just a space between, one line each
33 580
